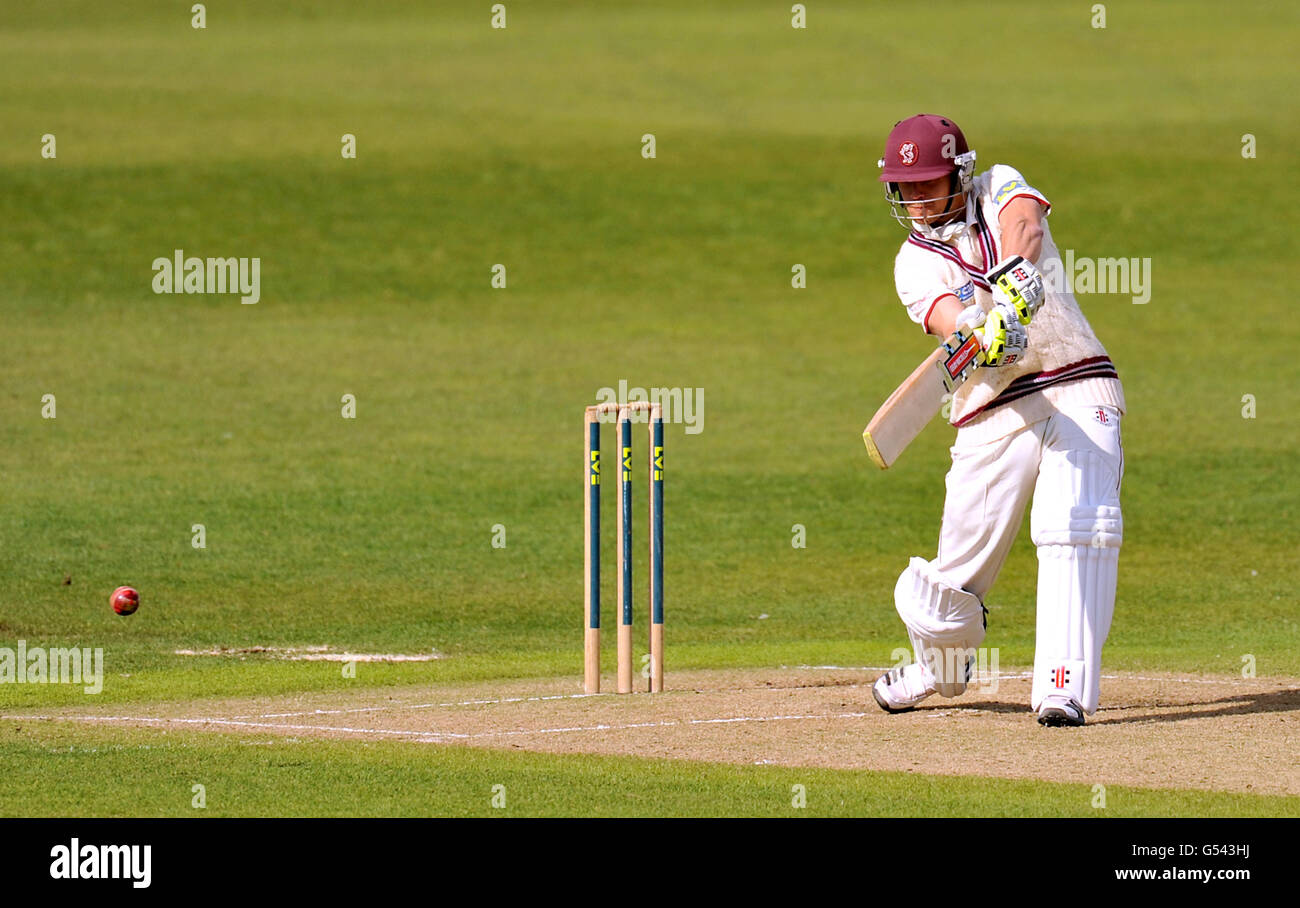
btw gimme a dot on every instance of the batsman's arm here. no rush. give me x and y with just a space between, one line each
943 317
1022 228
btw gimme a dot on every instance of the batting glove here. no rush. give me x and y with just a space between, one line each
1003 337
1018 284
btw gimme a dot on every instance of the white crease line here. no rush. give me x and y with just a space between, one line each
310 654
180 720
885 667
1011 676
1194 680
367 709
147 720
667 723
494 702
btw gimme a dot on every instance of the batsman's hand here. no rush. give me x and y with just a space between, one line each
970 318
1003 336
1016 283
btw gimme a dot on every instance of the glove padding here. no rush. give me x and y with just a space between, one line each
1003 336
1016 283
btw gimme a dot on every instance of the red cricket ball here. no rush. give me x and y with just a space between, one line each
124 600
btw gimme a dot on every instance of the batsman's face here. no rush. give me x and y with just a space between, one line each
928 202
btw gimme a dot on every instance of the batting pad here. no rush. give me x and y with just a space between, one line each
1078 528
945 625
1076 600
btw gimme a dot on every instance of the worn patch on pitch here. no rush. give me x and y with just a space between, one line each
1153 731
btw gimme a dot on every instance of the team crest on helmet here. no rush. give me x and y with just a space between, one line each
907 153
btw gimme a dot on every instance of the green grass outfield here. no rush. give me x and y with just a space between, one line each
522 146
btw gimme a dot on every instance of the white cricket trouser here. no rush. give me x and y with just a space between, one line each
1072 463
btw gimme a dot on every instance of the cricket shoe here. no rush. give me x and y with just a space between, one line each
900 689
1060 711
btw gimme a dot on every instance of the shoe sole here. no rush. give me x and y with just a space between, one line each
1059 718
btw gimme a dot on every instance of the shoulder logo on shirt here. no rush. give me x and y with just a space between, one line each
907 153
1007 188
966 292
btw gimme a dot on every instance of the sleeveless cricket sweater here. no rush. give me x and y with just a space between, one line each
1064 364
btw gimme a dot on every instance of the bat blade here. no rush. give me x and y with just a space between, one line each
915 402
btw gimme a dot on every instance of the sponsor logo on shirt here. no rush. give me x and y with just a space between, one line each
1006 189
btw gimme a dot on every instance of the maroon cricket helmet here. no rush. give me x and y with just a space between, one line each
921 148
926 147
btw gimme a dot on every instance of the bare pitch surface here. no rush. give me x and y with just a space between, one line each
1154 730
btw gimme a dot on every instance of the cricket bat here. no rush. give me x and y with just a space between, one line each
913 404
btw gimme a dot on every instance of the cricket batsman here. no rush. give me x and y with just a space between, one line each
1040 420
